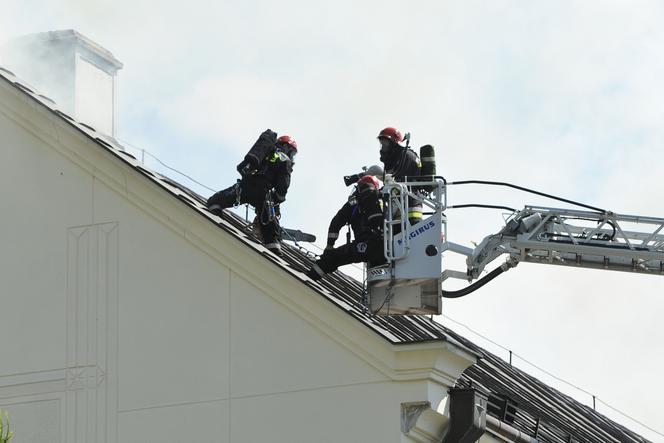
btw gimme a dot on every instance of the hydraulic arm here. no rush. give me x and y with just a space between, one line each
583 239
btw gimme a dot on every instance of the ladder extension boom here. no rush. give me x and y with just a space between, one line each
582 239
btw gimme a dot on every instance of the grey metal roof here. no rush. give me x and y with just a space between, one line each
537 408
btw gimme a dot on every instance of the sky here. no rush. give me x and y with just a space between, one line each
564 97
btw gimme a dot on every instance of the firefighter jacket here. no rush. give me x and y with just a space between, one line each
363 211
403 162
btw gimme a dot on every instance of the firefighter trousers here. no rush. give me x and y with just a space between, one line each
368 250
249 193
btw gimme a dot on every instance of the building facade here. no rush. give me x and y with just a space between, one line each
132 314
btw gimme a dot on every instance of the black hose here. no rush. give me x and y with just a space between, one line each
475 286
608 222
477 205
521 188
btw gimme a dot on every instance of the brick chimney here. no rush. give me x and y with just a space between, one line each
77 73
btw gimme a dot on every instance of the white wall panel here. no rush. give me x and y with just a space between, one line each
92 333
43 195
36 419
59 277
173 312
194 423
353 414
274 350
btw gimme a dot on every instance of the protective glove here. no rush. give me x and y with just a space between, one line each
277 198
246 166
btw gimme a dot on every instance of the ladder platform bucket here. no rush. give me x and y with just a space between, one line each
402 296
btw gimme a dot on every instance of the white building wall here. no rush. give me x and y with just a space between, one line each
117 328
42 194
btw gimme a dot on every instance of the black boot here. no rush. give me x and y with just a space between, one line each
275 248
223 199
315 273
216 209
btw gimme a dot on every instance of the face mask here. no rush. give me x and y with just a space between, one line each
387 151
385 145
288 150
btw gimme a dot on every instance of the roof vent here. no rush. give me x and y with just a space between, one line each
72 70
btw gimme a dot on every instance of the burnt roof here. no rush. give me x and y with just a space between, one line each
528 404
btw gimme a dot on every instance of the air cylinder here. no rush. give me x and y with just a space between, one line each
428 158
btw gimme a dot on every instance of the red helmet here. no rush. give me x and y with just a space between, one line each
369 180
287 139
391 133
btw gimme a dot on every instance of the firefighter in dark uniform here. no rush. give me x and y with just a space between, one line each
266 173
400 161
364 213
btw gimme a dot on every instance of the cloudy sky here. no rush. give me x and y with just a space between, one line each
565 97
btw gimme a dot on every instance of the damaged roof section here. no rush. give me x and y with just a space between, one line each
518 398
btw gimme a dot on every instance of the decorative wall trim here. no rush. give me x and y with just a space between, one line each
91 388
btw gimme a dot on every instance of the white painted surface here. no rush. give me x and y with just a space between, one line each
43 194
173 312
134 319
39 418
187 423
70 69
358 414
94 96
489 438
293 355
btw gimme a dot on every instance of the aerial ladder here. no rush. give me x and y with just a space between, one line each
410 282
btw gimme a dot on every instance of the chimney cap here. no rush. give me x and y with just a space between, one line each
72 37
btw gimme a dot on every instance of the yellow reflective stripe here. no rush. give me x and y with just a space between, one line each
414 214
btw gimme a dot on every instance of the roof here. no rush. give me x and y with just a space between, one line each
536 407
540 409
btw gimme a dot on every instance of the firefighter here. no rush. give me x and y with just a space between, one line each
266 173
401 162
363 211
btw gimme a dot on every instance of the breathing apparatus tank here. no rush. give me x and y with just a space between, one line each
428 159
